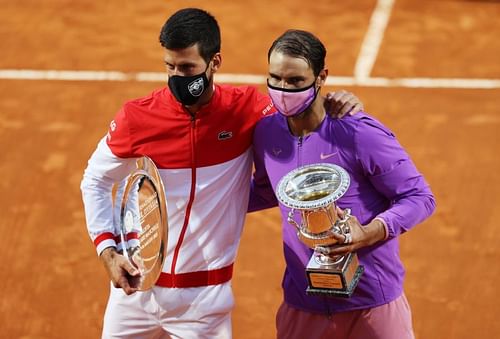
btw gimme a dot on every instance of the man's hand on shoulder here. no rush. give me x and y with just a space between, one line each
341 103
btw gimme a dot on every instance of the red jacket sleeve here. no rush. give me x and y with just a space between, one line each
119 138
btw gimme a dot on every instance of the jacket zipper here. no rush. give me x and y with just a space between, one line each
191 199
299 151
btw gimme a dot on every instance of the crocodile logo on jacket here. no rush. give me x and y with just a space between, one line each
224 135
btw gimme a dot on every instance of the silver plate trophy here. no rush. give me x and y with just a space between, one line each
143 222
313 190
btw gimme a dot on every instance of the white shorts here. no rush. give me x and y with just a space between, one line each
197 312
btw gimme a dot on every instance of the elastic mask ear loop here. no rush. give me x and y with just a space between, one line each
319 86
212 75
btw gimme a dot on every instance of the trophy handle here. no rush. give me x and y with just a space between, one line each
292 221
342 223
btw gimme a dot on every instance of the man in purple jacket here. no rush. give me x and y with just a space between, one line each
387 195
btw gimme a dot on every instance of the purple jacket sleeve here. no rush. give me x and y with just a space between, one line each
261 191
393 174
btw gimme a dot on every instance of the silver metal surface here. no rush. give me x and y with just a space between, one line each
312 186
144 222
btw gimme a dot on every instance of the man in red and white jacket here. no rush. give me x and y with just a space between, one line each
199 135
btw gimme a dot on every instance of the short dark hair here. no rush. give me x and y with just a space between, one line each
301 44
190 26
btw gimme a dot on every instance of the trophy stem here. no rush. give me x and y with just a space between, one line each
326 260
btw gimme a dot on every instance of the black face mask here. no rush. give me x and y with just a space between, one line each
188 89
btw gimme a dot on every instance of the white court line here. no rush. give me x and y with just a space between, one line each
31 74
373 39
415 82
252 79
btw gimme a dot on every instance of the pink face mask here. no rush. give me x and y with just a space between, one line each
291 102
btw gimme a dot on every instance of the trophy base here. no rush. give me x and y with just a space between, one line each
334 280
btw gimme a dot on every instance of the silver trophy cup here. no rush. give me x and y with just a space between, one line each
312 190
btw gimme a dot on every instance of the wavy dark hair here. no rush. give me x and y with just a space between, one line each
190 26
301 44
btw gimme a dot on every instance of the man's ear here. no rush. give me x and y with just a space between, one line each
323 74
216 62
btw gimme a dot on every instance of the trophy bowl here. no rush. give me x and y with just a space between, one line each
313 190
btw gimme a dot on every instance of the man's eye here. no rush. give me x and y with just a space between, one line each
274 81
187 69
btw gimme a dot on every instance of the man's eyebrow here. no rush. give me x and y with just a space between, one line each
297 77
182 64
294 78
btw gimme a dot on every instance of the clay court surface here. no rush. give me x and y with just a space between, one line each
53 285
